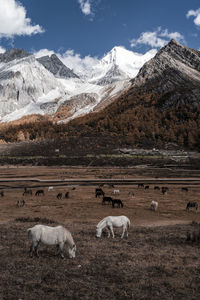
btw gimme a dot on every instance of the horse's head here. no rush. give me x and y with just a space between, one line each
98 232
72 251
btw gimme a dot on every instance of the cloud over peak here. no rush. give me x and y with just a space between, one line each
13 20
157 38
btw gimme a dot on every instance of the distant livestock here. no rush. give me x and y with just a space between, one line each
106 199
184 189
59 196
50 188
140 185
21 203
39 192
154 205
118 202
156 188
146 187
99 192
164 190
51 236
116 192
110 222
2 194
67 195
192 204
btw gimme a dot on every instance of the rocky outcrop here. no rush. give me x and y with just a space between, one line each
56 67
13 54
174 74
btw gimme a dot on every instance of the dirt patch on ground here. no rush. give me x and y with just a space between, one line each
155 262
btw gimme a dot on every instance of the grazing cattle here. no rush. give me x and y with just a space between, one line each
2 193
154 205
156 188
67 195
39 192
50 188
59 196
106 199
51 236
118 202
110 222
116 192
184 189
192 204
99 192
140 185
146 187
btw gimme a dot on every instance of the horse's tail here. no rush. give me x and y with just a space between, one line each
29 233
128 223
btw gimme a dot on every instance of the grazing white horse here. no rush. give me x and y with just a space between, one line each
154 205
116 192
50 188
110 222
51 236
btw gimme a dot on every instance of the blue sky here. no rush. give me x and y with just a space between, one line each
93 27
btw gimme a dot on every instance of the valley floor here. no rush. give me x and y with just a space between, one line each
155 262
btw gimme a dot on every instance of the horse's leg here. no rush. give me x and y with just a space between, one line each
31 249
36 249
123 231
107 228
61 246
111 229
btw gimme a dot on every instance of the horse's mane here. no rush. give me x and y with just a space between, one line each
101 222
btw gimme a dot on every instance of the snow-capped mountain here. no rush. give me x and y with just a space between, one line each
24 85
30 85
119 64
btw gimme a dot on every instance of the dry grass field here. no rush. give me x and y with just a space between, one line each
154 262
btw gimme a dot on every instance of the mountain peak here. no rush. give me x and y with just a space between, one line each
55 66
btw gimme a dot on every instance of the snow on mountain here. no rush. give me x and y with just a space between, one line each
119 64
29 85
24 82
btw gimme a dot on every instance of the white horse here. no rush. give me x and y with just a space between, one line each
154 205
51 236
110 222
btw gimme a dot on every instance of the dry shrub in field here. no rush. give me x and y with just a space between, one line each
194 235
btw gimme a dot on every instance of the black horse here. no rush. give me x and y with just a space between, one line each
39 192
59 196
118 202
191 204
99 192
67 195
106 199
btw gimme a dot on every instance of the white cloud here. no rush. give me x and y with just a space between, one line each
13 20
157 38
43 52
85 6
196 14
